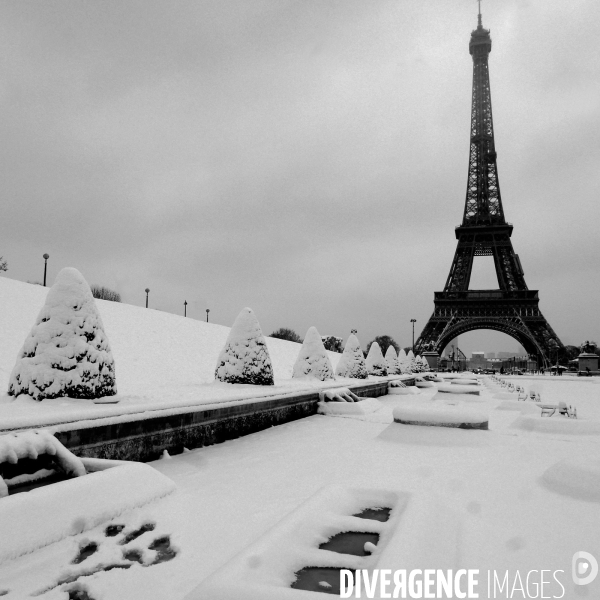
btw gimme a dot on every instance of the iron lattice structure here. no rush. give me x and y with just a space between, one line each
513 309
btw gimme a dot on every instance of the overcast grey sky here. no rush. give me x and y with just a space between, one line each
305 158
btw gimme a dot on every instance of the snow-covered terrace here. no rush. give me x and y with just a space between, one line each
479 499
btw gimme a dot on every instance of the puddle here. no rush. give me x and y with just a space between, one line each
136 534
84 552
133 556
163 549
375 514
113 530
80 594
350 542
318 579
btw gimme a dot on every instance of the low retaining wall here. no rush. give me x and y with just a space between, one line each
145 439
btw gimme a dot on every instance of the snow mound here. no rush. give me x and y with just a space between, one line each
338 395
376 363
352 362
576 477
557 424
463 417
312 359
245 357
67 352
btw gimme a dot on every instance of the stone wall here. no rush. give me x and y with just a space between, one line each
145 439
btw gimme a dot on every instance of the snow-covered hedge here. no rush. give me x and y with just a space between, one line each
375 362
312 359
245 356
67 352
352 362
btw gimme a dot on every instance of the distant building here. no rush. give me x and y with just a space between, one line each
477 361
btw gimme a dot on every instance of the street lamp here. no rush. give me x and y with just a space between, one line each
354 331
185 308
46 257
207 311
413 321
147 292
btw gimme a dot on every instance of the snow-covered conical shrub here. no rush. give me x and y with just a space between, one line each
403 362
391 361
415 364
424 363
312 359
352 362
376 364
67 352
245 357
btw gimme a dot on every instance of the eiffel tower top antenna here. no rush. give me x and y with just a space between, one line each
479 24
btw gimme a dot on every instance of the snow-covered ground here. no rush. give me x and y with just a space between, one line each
522 497
509 515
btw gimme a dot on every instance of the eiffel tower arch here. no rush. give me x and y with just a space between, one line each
513 309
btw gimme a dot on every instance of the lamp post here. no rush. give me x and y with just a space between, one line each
147 292
413 321
354 331
185 308
46 257
207 311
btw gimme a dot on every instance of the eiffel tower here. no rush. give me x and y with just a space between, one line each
512 309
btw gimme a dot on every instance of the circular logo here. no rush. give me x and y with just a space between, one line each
585 568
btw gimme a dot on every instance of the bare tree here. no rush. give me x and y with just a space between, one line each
3 265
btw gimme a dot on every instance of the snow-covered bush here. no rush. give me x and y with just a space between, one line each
404 362
391 360
67 352
352 362
312 359
415 364
245 357
376 364
424 364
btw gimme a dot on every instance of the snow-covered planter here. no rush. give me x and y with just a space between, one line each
423 383
67 352
391 360
376 364
453 388
312 361
245 356
443 415
60 510
352 362
34 448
